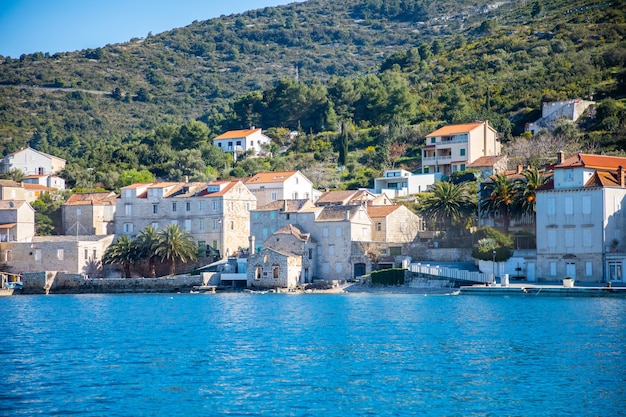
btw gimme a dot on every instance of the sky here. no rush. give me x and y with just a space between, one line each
28 26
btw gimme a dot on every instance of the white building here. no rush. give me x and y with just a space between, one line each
241 141
402 183
284 185
581 221
453 147
32 162
47 180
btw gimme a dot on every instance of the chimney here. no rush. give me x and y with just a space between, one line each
186 178
621 174
251 240
560 157
348 214
519 169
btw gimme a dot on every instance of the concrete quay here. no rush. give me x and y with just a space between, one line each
544 290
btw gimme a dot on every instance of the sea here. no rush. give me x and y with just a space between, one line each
242 354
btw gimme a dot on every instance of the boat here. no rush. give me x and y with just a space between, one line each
10 283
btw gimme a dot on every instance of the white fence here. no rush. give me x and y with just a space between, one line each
451 273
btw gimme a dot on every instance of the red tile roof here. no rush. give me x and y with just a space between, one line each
601 162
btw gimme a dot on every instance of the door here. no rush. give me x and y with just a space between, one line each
359 269
570 269
530 271
615 271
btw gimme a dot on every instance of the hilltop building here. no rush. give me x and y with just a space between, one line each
31 162
241 141
551 112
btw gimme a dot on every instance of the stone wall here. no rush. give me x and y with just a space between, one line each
53 282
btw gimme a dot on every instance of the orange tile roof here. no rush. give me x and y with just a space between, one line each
602 162
81 199
486 161
274 177
381 211
236 134
28 186
455 129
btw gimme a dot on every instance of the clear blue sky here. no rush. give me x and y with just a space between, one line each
28 26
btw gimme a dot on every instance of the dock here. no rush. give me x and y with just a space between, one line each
547 290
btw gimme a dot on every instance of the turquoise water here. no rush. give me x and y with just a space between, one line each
311 355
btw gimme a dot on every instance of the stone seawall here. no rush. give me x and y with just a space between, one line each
52 282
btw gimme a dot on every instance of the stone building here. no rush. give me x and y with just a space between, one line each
70 254
17 221
89 214
217 215
286 261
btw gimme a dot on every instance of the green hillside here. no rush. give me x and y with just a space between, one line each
381 72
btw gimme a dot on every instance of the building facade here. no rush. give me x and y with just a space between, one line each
241 141
89 214
216 215
581 221
268 187
453 147
32 162
17 221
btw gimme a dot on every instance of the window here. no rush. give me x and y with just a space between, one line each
128 228
173 206
551 238
338 267
201 225
264 232
188 225
215 224
568 175
462 167
588 269
587 237
294 195
230 144
201 206
553 269
325 268
188 206
37 255
325 232
569 238
174 222
551 209
338 231
274 197
257 272
266 258
155 226
232 225
128 209
379 226
586 204
155 208
215 206
433 140
78 211
462 151
275 270
238 143
310 253
94 253
219 144
60 254
331 249
86 253
232 205
569 205
402 226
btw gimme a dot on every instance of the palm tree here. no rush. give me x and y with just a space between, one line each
499 197
147 242
175 245
123 252
527 191
449 204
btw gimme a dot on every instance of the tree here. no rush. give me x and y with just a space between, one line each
175 245
527 192
147 242
449 204
498 197
123 252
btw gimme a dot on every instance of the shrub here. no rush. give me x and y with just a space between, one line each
393 276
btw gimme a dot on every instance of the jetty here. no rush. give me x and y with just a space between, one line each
543 290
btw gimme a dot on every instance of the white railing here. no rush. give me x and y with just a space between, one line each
451 273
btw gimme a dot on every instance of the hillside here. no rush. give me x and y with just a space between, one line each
408 63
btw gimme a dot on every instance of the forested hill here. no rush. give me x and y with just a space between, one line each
313 66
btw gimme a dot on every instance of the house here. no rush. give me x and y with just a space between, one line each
401 183
17 221
32 192
284 185
89 214
266 220
453 147
217 214
47 180
70 254
11 190
286 260
241 141
581 220
344 198
394 225
489 165
551 112
31 161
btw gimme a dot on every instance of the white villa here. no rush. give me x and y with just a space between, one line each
241 141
